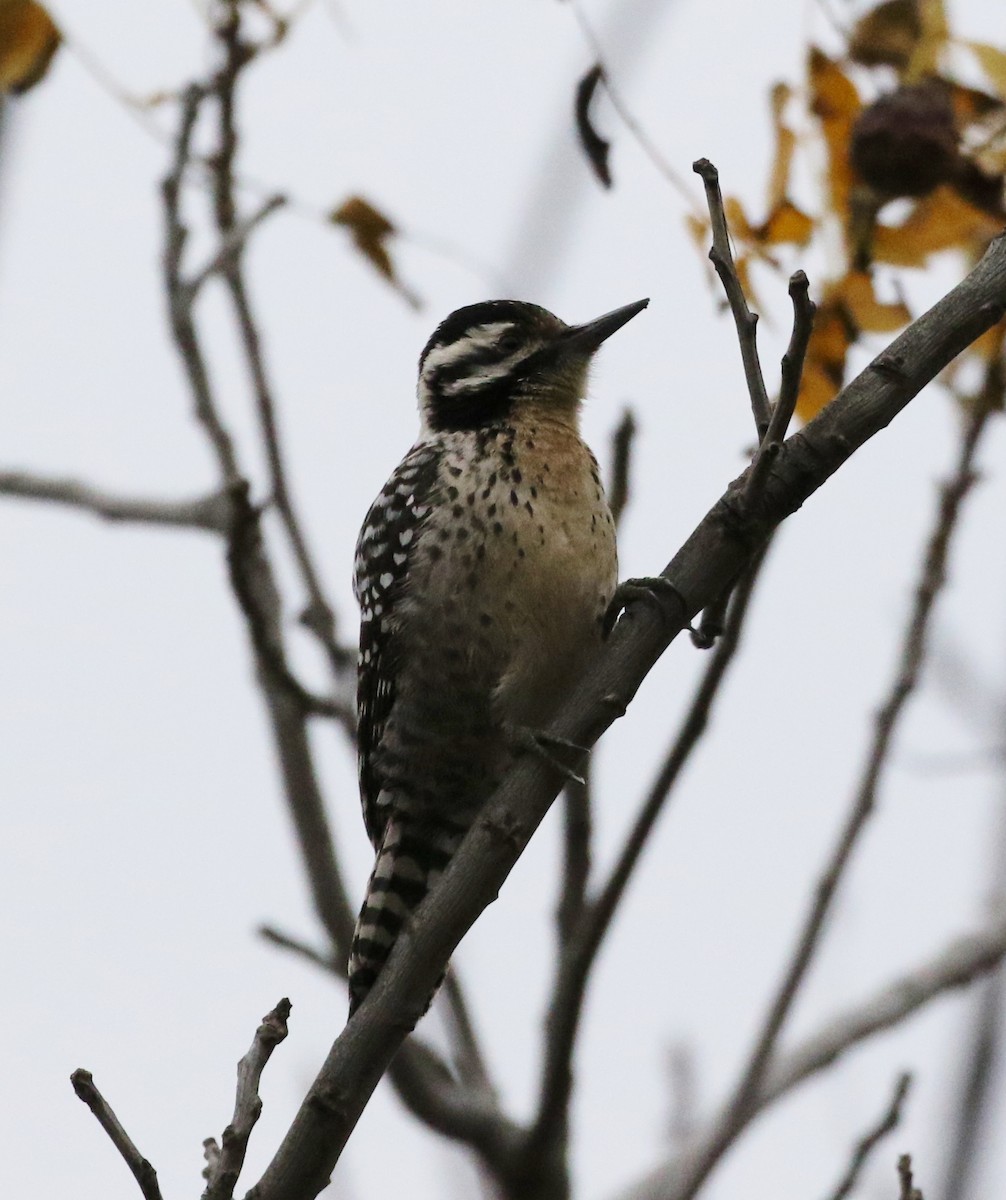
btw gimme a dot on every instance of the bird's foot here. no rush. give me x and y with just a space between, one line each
535 741
651 589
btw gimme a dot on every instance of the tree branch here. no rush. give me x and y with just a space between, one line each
711 560
226 1164
868 1143
210 513
143 1172
721 256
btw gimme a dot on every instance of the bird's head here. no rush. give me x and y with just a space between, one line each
485 360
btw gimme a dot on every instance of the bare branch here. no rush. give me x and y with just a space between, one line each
143 1172
721 256
792 372
319 616
204 512
868 1143
226 1165
232 245
711 559
285 942
960 963
906 677
908 1189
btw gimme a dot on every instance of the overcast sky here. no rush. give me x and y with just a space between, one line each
145 834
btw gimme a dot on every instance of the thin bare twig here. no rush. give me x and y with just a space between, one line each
210 513
868 1143
913 651
143 1172
319 616
907 1184
233 243
284 941
721 256
789 392
226 1165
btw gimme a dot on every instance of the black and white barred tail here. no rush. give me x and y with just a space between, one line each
410 860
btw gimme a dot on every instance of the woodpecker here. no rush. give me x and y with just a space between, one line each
483 571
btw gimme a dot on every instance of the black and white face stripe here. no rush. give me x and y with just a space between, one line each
473 363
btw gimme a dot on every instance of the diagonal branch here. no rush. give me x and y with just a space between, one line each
226 1163
211 513
143 1172
721 256
712 559
870 1140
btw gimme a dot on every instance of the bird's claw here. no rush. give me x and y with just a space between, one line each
651 589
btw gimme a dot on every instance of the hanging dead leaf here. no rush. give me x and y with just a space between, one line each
370 229
992 61
928 50
835 102
940 221
785 144
594 146
28 40
887 35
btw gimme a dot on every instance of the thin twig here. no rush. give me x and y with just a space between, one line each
143 1172
233 243
869 1141
907 1184
721 256
319 615
930 583
579 956
469 1059
211 513
226 1165
789 392
295 946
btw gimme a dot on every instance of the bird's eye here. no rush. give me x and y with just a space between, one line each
510 343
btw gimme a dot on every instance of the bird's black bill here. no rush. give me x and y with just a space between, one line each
588 337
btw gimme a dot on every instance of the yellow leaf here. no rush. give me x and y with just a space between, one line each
887 35
866 312
940 221
786 224
992 61
785 144
935 34
370 230
835 102
28 40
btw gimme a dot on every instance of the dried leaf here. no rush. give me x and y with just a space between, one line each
865 311
992 61
370 229
28 40
785 144
786 224
887 35
594 146
940 221
835 102
925 60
